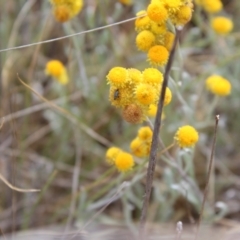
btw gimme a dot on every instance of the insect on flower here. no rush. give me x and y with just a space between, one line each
116 94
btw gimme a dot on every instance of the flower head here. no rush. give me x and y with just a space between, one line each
57 70
186 136
183 16
111 154
157 12
64 10
218 85
121 96
144 40
124 161
54 68
158 28
135 76
145 134
146 94
61 13
212 6
139 148
173 5
118 76
222 25
152 76
158 55
133 113
143 22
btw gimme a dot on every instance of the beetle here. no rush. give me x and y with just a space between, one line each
116 94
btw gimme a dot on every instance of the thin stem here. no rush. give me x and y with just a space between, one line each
71 35
208 176
167 148
16 188
154 145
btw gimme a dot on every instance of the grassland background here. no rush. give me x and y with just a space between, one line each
43 148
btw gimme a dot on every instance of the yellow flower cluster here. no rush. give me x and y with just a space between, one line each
57 70
136 92
154 36
123 161
64 10
140 146
186 136
218 85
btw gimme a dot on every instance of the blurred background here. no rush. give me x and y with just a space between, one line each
60 147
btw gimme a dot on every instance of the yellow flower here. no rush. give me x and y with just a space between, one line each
54 68
157 12
158 55
168 40
139 148
61 13
145 94
222 25
143 22
152 76
183 16
133 113
145 40
145 134
124 162
186 136
76 6
135 76
118 76
212 6
57 70
111 154
66 9
121 96
218 85
158 28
